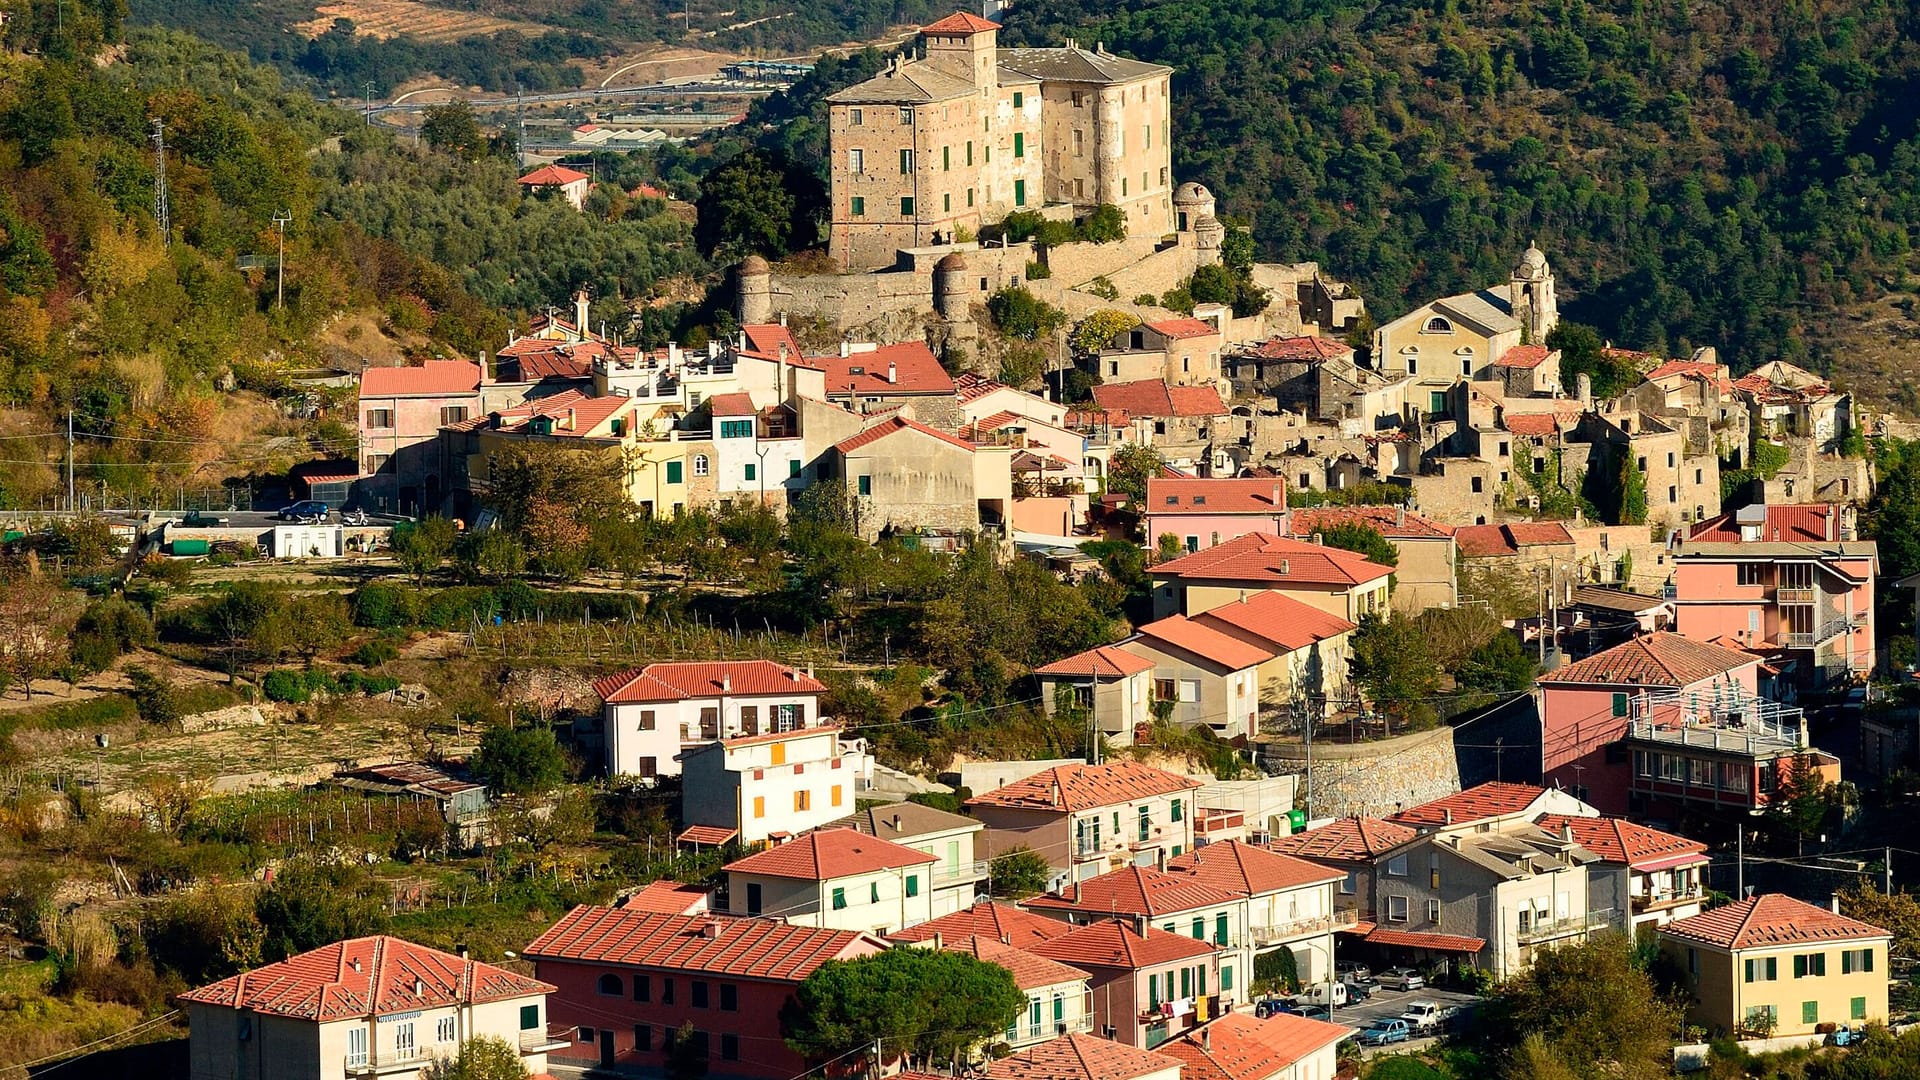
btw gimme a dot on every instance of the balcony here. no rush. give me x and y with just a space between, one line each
386 1062
1661 899
1024 1033
1827 631
959 872
1534 933
542 1042
1203 1008
1318 924
1785 595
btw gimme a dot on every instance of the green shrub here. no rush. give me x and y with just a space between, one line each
375 652
1037 271
287 685
296 687
383 607
1102 288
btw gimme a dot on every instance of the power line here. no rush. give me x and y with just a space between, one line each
70 1052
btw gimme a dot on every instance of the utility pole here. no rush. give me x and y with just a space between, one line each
71 504
162 211
280 220
1740 863
1499 758
1306 722
1093 714
1886 863
369 103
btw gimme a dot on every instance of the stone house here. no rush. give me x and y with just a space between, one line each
1183 351
1529 371
1461 336
908 475
1424 576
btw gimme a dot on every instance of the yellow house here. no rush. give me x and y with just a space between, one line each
1778 966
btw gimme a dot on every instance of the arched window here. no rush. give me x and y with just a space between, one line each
1438 325
612 986
700 465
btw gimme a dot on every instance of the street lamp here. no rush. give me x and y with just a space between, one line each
280 220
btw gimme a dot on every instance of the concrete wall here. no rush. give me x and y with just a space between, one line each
912 480
1372 779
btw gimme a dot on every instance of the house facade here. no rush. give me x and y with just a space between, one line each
1289 901
840 879
1202 514
1240 1047
1172 903
1772 965
959 872
1148 985
1425 575
1114 685
650 714
761 787
1649 878
401 412
1088 819
1460 337
1337 581
1201 676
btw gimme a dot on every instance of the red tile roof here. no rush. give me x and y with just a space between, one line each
1239 1047
1488 800
1392 522
1276 619
679 681
1480 541
764 341
559 360
1380 935
435 378
1153 397
1523 356
1239 868
1183 328
1789 523
1112 943
1081 1057
1030 970
1353 839
1134 890
1658 659
1216 496
989 919
553 174
668 898
366 976
736 404
915 371
960 22
1084 787
971 386
1265 557
1535 424
1205 642
1619 841
1104 661
1769 920
1692 369
893 425
1300 349
744 948
829 853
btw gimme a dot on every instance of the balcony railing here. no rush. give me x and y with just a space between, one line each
1828 630
966 871
1667 897
1318 924
1025 1032
1786 595
1559 928
389 1060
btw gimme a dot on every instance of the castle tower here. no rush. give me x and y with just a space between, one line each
965 46
954 294
1191 202
1208 235
1531 292
755 279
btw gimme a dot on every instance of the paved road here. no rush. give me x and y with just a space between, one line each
1390 1003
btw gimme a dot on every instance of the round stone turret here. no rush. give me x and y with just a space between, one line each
1208 234
1191 202
952 288
756 291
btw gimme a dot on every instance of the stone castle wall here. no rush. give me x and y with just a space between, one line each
1371 779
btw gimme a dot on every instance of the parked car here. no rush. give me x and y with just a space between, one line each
1352 971
197 520
1384 1031
1402 978
306 508
1319 994
1358 991
1428 1017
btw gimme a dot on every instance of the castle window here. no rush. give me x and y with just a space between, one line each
1146 132
1163 176
906 161
1079 99
700 465
906 115
1123 186
856 160
969 196
1019 144
946 158
856 117
1079 142
1437 325
1019 192
946 202
969 151
906 206
1019 100
859 206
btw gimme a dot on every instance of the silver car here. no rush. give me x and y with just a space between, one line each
1402 978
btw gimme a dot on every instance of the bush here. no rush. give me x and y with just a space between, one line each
1147 299
1102 288
383 607
1019 314
1105 225
1037 271
153 696
375 652
297 687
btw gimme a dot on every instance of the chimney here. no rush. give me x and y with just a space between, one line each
936 941
846 347
781 377
1446 815
896 823
1076 891
580 311
420 987
572 418
893 373
710 928
354 963
1316 540
1284 567
673 354
486 368
726 683
460 950
1206 1037
793 675
783 318
1399 515
1566 831
1834 903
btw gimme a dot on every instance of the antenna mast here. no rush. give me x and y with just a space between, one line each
161 210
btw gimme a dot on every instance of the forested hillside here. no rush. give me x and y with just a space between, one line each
1712 172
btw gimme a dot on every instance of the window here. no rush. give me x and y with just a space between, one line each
749 472
403 1040
729 997
453 414
1697 474
674 470
530 1017
666 991
1220 929
946 158
1397 866
946 202
647 721
906 206
906 115
1019 144
379 418
1751 574
1478 485
700 465
1396 909
1857 1008
913 884
1019 100
840 899
377 463
729 1047
969 155
856 117
700 1045
1763 969
906 160
699 994
1763 1016
857 160
1643 462
1669 459
1199 928
873 892
612 986
803 800
643 1038
1809 965
793 468
1350 883
1186 982
866 485
643 988
1189 690
759 806
1079 143
970 199
736 429
357 1046
1619 704
1809 1012
1146 824
1153 991
1433 870
1019 193
1437 325
1673 494
753 898
1433 911
859 206
1179 810
1855 960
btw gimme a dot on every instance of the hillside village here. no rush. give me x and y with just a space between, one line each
1434 650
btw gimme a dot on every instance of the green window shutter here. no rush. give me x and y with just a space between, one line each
946 158
1059 1008
530 1015
1619 704
1866 956
1019 193
1857 1008
1199 928
1019 144
1153 991
839 899
906 206
1749 971
750 472
1220 930
859 206
866 485
1179 810
1019 100
969 151
1773 968
1226 977
906 161
913 884
1809 1012
1186 982
674 471
873 892
793 467
1800 967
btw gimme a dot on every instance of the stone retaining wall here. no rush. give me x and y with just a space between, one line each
1370 779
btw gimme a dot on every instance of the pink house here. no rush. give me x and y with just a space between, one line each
1786 581
1202 513
402 409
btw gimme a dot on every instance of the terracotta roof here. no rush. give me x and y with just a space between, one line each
960 22
1535 424
1216 496
1693 369
1658 659
1081 1057
1380 935
745 948
1619 841
989 919
915 371
893 425
681 680
365 976
764 341
1353 839
1084 787
1240 868
1277 620
1104 661
1523 356
1205 642
829 853
1240 1047
1134 890
735 404
1788 523
710 835
553 174
1480 541
1029 970
1491 799
431 379
323 470
1769 920
668 898
1112 943
574 414
1153 397
971 386
1261 556
1392 522
900 819
1183 328
1305 348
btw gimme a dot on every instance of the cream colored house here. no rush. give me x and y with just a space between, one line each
1114 685
837 879
1089 819
364 1007
958 875
1461 337
1775 965
772 785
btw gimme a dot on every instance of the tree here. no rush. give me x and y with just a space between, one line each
422 546
686 1054
1130 468
1594 1013
492 554
1023 316
1499 666
314 904
1106 224
153 697
1633 490
1802 799
1583 352
519 761
1392 663
1098 331
1898 913
205 934
930 1005
1019 873
452 128
1363 538
483 1057
107 630
529 481
32 643
747 207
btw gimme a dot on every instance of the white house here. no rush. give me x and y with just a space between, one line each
772 786
836 879
651 714
960 875
371 1006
